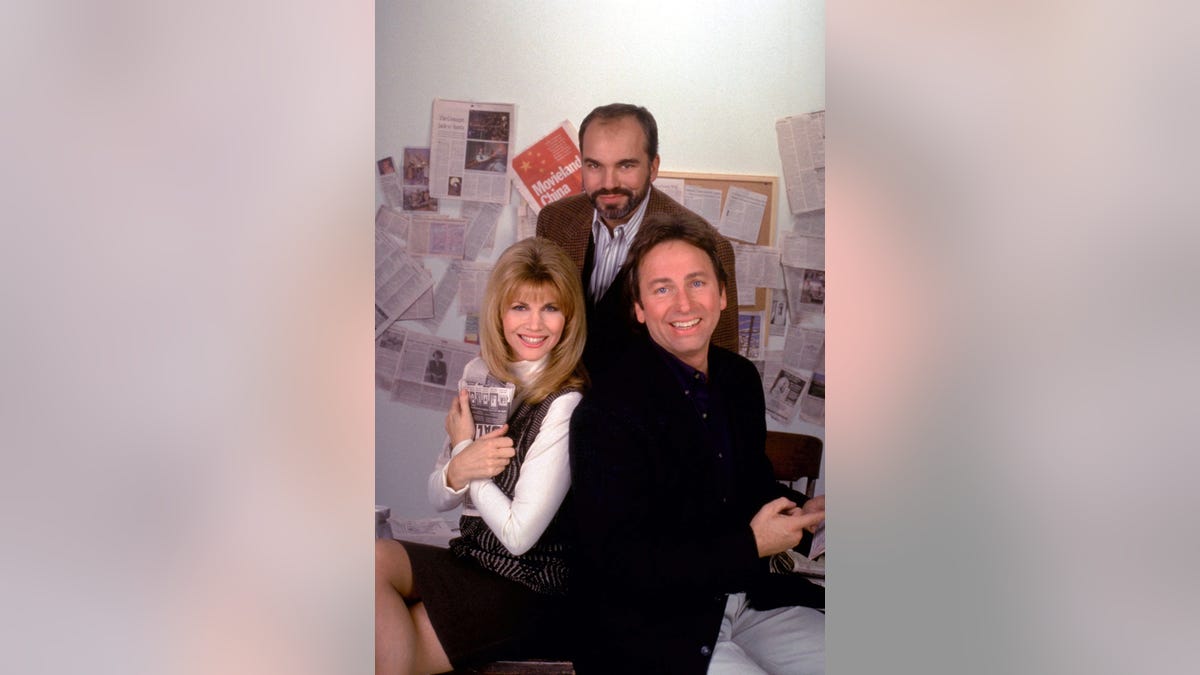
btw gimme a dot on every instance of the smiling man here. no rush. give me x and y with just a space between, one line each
619 144
677 509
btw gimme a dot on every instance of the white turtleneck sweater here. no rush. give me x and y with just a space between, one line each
541 487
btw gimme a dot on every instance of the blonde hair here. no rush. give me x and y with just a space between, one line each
535 264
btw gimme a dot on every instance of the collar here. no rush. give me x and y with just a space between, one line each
527 370
685 375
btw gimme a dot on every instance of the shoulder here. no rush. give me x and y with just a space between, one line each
565 401
661 203
627 381
735 368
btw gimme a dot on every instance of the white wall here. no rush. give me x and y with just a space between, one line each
716 76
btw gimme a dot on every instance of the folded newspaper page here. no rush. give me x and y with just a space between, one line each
399 280
548 170
491 399
470 150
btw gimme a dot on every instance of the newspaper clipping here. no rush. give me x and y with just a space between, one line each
393 221
416 181
804 349
802 250
389 182
443 295
811 223
779 314
491 399
548 170
757 267
783 394
437 236
422 307
750 326
806 296
481 227
470 150
399 280
526 221
802 151
472 282
743 213
812 404
414 367
671 187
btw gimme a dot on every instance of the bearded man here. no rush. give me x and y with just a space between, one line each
619 144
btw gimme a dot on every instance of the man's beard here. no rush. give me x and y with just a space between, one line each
632 201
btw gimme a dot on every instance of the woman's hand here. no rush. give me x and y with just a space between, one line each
460 426
484 458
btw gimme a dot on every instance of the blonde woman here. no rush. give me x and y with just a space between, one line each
498 591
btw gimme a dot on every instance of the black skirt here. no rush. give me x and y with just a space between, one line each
480 616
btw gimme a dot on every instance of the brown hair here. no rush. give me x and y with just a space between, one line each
535 263
659 228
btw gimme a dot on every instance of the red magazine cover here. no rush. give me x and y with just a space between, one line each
549 169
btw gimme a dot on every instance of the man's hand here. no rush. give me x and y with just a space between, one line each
815 505
779 525
484 458
460 426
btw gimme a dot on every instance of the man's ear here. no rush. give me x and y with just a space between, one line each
639 312
723 301
654 169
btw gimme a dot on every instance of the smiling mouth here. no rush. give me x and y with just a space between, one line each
531 340
684 325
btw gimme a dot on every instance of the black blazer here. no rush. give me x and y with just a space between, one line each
657 547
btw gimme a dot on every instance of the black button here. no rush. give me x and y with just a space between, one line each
720 455
705 650
687 392
704 415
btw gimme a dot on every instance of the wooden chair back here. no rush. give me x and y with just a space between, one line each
795 456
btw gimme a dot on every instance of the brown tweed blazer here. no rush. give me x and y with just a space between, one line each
568 223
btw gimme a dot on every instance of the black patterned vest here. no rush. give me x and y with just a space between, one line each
542 568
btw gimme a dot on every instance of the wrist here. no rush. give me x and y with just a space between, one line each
453 480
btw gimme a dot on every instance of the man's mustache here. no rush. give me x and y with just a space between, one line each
615 191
